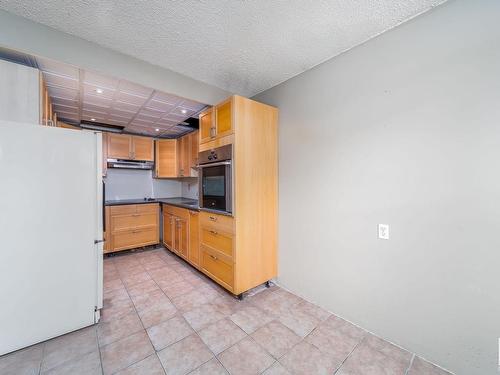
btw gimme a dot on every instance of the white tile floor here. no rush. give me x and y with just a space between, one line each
162 316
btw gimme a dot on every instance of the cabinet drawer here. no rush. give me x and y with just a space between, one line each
123 210
134 221
176 211
217 240
217 267
135 238
222 223
147 208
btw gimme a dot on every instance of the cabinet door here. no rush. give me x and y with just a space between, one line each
168 230
119 146
142 148
166 158
194 243
182 237
207 126
183 156
193 160
224 118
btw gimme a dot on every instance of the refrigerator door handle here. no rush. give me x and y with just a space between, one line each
98 241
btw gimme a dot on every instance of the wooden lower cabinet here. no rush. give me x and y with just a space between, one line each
194 242
176 230
131 226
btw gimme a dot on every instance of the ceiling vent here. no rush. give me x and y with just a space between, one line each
92 125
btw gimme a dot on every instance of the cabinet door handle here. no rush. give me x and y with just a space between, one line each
213 232
213 218
135 215
213 257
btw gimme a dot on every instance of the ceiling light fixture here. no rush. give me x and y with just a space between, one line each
157 129
184 111
99 91
92 119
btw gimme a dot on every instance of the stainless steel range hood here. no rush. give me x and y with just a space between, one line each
130 164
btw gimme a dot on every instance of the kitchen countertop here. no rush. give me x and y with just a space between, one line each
191 204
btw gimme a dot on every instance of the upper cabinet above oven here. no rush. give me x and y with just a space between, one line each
216 123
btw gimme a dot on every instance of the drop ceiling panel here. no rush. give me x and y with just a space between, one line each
103 82
83 95
131 98
63 93
91 90
52 79
160 106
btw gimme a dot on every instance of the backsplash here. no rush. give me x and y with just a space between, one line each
190 188
134 184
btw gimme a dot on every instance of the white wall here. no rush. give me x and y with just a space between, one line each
134 184
190 188
19 93
403 130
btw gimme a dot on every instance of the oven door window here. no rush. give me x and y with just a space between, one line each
214 187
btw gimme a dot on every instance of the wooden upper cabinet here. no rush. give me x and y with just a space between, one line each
217 122
224 118
142 148
194 149
166 165
183 154
130 147
119 146
207 126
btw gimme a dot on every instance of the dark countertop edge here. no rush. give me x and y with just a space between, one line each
176 201
170 201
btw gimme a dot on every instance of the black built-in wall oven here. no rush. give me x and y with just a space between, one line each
215 179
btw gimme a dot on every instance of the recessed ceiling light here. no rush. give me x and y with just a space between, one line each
99 91
183 111
92 119
157 129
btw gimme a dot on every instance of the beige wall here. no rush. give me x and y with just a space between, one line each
403 130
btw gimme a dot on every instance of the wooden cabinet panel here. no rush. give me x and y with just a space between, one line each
133 238
194 243
166 158
223 118
194 150
119 146
222 223
123 210
181 237
207 126
142 148
138 221
168 230
131 226
183 154
217 240
217 267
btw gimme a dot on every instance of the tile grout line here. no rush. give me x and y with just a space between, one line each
144 328
410 364
352 351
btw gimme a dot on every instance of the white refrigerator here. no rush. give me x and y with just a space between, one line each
50 232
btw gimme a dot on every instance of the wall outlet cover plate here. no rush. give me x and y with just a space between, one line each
383 231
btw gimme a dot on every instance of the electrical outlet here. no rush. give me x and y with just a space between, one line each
383 231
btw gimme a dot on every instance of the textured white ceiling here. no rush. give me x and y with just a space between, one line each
243 46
